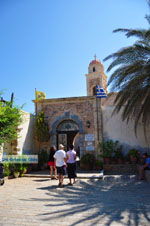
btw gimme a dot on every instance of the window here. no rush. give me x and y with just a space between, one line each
94 69
94 91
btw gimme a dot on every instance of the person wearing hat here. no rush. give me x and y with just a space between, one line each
60 159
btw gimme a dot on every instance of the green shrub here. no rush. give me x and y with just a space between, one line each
88 160
111 148
7 171
41 128
118 153
18 167
133 153
108 148
98 164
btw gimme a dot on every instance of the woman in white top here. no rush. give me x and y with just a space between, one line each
71 164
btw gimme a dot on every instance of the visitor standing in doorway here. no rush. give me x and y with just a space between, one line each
60 159
51 163
71 164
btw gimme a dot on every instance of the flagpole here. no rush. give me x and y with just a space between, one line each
97 111
37 144
99 94
35 103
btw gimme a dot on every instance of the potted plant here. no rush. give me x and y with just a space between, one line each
23 169
118 155
16 170
16 174
98 164
108 149
7 171
133 155
87 161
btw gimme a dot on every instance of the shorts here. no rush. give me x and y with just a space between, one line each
61 170
51 164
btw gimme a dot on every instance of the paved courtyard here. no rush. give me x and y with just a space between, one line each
38 201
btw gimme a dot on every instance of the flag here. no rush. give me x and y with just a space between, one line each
40 95
100 92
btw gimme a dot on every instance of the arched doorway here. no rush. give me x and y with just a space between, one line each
66 132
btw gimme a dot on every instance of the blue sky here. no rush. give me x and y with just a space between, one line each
47 45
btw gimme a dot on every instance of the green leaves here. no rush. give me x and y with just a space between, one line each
10 119
41 128
110 147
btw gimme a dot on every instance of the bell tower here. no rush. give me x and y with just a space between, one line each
95 76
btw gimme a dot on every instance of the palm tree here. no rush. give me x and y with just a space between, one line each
131 77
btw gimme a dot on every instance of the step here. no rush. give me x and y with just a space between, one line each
118 178
88 175
79 175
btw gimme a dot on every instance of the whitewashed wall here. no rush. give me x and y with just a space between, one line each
116 129
26 137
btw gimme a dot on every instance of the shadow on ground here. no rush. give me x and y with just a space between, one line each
93 202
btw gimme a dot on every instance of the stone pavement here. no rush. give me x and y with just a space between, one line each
38 201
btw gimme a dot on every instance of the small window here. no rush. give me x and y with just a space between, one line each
94 69
94 91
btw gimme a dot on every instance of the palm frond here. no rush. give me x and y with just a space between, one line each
140 33
131 78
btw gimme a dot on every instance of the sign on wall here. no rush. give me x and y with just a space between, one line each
89 148
89 137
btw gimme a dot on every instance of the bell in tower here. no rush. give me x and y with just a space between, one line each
95 76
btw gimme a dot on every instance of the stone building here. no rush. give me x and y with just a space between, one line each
77 119
85 121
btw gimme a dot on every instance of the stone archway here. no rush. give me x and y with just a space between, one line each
75 121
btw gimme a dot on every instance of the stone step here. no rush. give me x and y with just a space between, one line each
118 178
85 175
79 175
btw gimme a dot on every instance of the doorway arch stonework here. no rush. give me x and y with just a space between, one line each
64 118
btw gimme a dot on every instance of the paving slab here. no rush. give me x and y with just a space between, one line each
38 201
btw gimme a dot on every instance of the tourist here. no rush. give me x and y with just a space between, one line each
60 158
145 166
71 164
51 163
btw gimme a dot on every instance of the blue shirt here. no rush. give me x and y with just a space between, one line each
147 161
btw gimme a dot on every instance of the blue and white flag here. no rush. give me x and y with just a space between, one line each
100 92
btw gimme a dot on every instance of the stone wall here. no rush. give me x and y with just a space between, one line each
78 109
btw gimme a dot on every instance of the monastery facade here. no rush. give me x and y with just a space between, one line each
85 121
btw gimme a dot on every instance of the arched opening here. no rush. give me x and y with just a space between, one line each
94 91
94 69
66 132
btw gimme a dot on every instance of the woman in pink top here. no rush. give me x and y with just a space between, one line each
71 164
